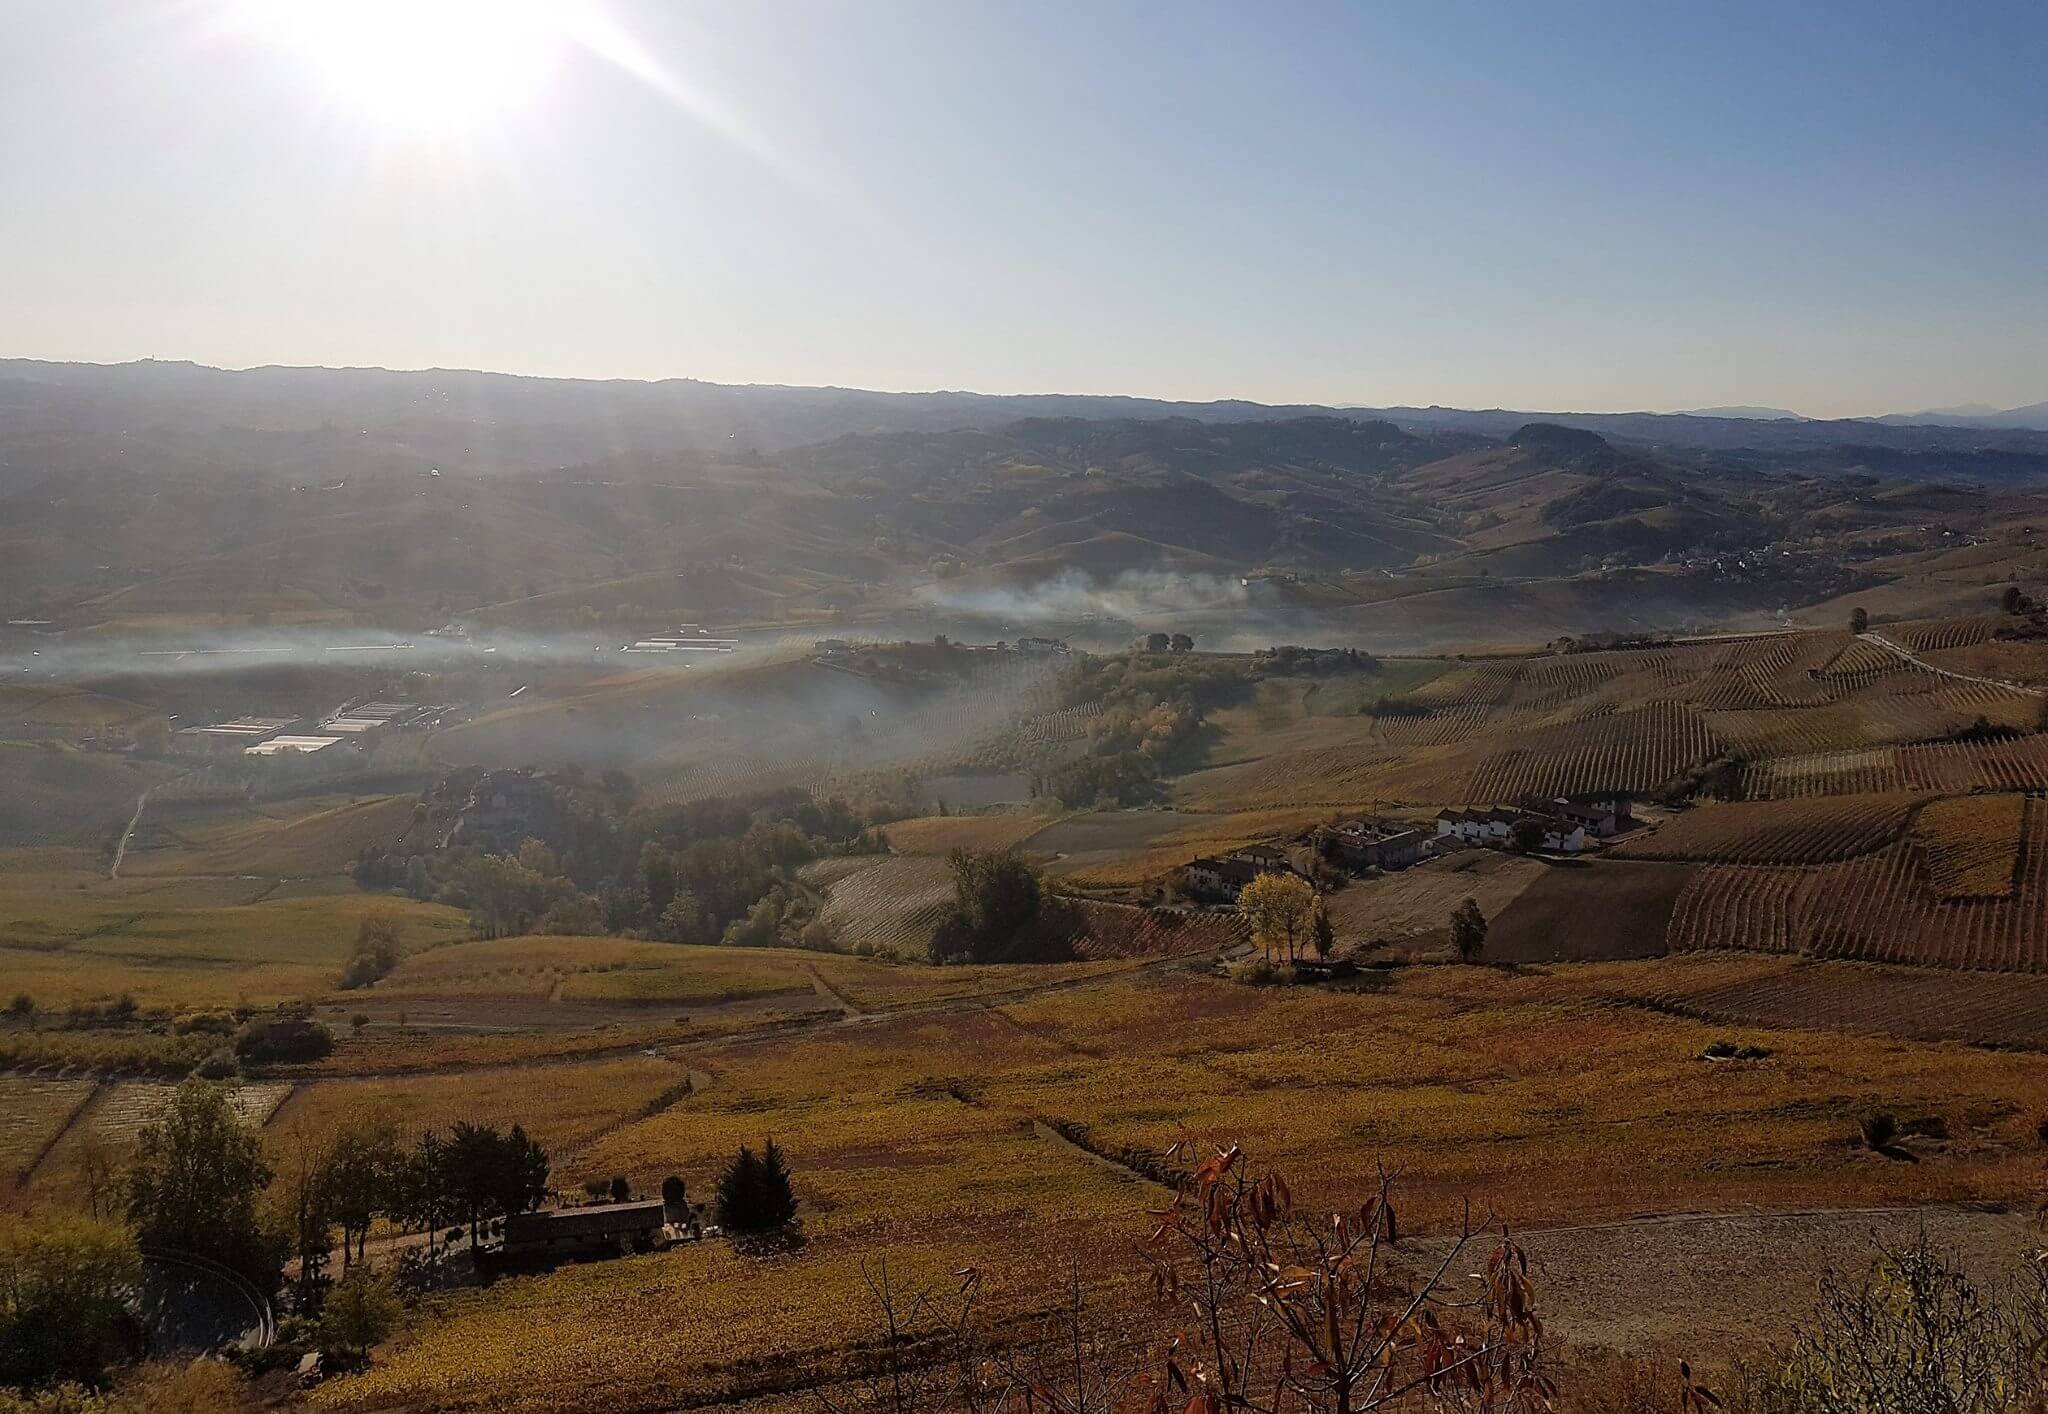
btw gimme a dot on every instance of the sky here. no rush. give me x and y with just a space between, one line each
1841 208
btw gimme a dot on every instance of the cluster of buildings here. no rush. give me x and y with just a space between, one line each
688 638
341 734
1560 826
1565 825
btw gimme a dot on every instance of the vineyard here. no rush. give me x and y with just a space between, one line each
1884 906
33 1112
1632 751
1789 832
128 1105
2015 764
1888 1001
1946 633
891 906
1971 844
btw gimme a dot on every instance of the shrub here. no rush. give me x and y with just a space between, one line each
219 1065
1720 1050
376 953
1259 972
1913 1334
284 1040
1879 1130
358 1313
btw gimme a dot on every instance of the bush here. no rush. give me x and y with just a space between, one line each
284 1040
64 1285
1879 1130
376 953
1259 972
358 1313
204 1023
1913 1335
219 1065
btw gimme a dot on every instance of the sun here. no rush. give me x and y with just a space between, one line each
420 65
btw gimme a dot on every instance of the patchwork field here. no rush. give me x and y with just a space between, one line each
928 1136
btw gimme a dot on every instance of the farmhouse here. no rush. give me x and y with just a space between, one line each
1225 876
1602 816
1377 844
1496 827
605 1228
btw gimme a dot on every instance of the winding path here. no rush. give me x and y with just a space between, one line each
1900 650
121 850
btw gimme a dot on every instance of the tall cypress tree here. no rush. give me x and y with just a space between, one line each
737 1187
778 1201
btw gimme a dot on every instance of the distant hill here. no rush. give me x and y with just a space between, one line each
2032 417
1747 414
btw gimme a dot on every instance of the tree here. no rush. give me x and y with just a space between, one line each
304 1207
376 952
1321 933
65 1282
1280 908
1468 931
362 1176
195 1179
360 1311
1526 836
489 1174
1157 642
621 1191
1859 620
423 1196
1183 643
685 921
754 1193
998 899
675 1194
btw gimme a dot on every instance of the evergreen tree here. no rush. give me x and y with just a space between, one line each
754 1193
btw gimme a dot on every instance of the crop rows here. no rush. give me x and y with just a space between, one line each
1878 908
1946 633
1632 751
131 1104
1971 844
892 906
1442 727
33 1112
2018 764
1777 832
1111 931
1920 1003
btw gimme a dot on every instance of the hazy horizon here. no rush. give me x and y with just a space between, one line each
1591 209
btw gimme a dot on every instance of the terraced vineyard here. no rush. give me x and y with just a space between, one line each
1946 633
1777 832
1882 907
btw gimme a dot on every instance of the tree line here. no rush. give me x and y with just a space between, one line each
588 858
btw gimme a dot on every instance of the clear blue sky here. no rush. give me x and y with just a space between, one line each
1837 207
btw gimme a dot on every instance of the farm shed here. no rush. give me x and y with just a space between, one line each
606 1227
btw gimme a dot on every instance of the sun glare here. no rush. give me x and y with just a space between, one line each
421 64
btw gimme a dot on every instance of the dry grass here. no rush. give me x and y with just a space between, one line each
595 969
